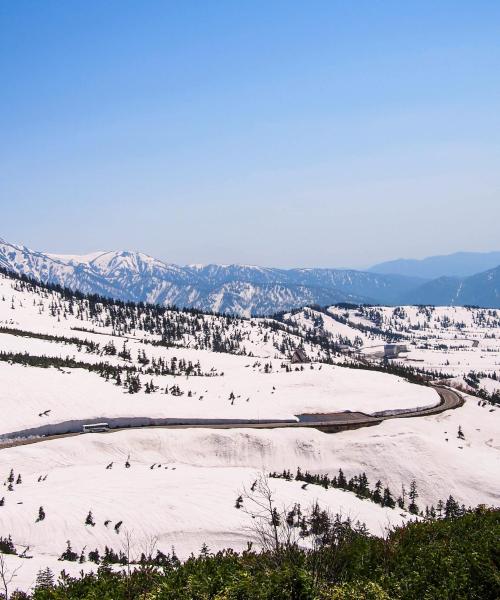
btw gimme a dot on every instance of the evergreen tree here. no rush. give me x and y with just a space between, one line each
94 556
377 495
44 579
341 480
413 495
363 486
452 508
68 554
7 546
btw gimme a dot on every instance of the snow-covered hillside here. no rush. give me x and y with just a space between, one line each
460 343
67 358
253 381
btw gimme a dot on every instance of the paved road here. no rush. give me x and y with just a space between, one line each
327 422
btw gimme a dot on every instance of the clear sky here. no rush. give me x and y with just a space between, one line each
279 133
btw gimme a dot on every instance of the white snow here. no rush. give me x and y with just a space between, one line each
190 498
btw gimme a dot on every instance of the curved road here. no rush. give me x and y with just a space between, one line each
326 422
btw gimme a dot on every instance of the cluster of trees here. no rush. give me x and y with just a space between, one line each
10 482
473 379
7 545
412 374
376 317
454 558
127 376
90 345
357 484
108 557
112 557
169 325
392 327
380 494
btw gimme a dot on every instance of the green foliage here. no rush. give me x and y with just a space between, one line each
364 590
452 558
449 559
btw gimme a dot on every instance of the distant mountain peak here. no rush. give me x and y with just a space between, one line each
458 264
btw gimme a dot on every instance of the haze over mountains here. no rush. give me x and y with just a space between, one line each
249 290
459 264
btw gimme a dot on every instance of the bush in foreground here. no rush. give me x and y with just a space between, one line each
449 559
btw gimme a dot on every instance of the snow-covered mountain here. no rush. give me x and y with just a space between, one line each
482 289
224 288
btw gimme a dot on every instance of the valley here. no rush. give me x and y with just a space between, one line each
201 406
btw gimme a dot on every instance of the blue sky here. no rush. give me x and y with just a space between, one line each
275 133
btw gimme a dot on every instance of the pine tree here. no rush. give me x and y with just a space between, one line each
94 556
205 550
90 519
413 495
363 486
387 499
7 545
44 579
41 514
452 508
68 554
402 499
341 480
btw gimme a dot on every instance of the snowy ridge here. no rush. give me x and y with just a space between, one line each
238 289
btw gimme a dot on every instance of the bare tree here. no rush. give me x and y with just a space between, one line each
271 525
7 575
127 545
288 531
149 548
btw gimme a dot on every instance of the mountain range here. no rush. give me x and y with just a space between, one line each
459 264
240 289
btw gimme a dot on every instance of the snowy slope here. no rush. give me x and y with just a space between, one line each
451 340
190 498
260 392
